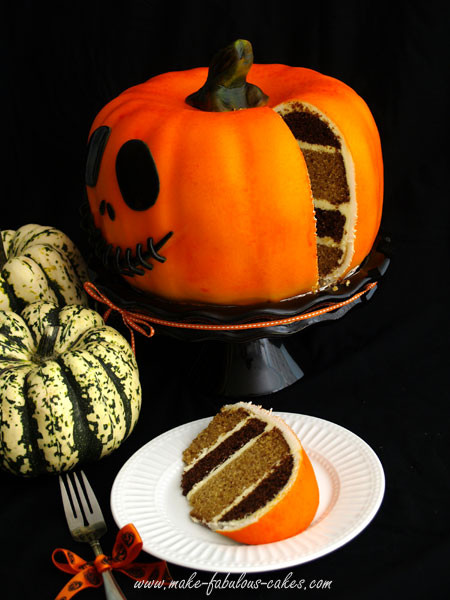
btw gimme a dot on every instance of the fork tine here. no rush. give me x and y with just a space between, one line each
96 510
72 518
95 513
85 505
73 496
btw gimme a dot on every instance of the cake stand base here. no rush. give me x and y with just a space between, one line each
244 369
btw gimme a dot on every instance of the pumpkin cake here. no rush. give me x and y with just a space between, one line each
208 189
248 477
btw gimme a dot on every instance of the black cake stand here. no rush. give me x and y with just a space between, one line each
253 360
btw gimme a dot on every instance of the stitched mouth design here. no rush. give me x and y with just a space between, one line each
125 261
129 263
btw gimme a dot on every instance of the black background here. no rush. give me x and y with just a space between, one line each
381 371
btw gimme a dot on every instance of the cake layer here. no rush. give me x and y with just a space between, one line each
220 489
220 453
328 257
222 423
309 127
263 493
330 223
326 171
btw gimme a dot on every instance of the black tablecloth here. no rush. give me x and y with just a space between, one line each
381 371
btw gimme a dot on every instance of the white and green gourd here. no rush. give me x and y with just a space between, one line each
40 263
69 388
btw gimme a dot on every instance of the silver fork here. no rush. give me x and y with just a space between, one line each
93 531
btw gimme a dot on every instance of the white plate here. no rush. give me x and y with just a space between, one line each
147 493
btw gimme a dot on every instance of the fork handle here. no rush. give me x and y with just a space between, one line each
112 589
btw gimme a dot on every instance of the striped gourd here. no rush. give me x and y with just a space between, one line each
40 263
69 388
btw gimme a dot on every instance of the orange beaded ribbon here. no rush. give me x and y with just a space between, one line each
86 574
135 320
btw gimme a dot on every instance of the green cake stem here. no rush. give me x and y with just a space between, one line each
226 87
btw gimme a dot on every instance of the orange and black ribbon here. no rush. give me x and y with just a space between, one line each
126 548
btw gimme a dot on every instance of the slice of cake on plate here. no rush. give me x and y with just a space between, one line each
248 477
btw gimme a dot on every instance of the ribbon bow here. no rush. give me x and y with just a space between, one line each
126 548
132 320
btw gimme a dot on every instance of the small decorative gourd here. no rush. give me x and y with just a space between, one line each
40 263
69 388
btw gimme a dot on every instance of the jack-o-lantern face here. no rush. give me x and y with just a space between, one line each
138 181
226 196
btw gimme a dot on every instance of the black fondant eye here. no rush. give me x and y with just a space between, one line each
102 207
96 148
137 175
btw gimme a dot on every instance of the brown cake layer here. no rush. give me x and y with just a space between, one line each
222 488
328 257
266 491
326 172
309 127
216 457
220 424
330 223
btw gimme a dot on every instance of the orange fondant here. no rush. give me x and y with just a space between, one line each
234 187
